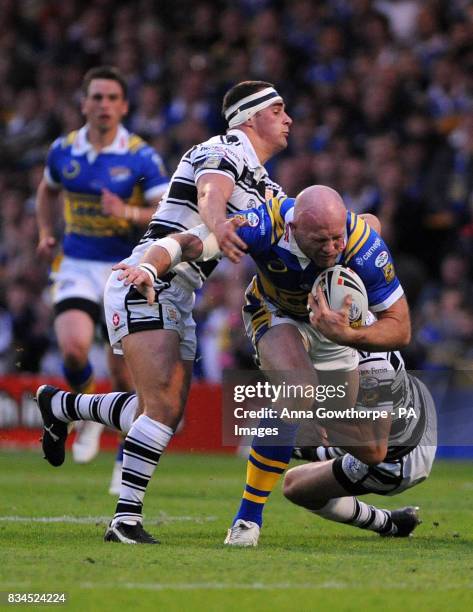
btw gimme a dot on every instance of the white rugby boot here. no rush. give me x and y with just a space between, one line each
243 533
87 443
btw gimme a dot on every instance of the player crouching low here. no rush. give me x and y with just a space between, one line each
328 486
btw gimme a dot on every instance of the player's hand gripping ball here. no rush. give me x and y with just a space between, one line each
336 283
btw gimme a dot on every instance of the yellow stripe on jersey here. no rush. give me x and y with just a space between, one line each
261 318
357 238
83 215
135 143
266 461
137 197
69 139
254 290
273 206
292 302
57 262
352 222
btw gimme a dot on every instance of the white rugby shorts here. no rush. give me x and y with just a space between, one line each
80 278
127 311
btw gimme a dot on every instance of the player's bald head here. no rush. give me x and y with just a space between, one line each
319 224
319 206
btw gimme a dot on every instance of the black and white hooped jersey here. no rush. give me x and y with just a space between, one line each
385 385
231 155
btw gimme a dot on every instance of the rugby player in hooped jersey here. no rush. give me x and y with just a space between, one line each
221 176
111 182
330 485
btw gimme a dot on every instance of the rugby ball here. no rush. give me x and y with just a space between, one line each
338 282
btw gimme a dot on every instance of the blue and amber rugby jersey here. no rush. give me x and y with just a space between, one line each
128 167
285 275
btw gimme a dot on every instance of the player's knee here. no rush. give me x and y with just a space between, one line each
75 354
164 405
291 487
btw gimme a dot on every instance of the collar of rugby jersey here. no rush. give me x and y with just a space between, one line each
82 146
248 148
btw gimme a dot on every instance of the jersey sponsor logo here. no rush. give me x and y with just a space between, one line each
119 173
378 370
251 204
248 178
171 314
71 170
369 391
389 273
382 259
231 154
360 260
253 219
354 469
212 161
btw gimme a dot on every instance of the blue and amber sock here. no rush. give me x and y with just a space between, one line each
80 381
264 468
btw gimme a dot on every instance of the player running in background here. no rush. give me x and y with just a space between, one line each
105 183
223 175
328 487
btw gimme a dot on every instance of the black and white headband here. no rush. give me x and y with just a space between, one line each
245 108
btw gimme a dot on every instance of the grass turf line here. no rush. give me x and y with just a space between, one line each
301 561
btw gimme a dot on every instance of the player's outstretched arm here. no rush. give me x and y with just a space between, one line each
213 192
158 260
195 244
391 331
47 213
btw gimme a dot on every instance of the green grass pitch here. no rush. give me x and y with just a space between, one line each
302 563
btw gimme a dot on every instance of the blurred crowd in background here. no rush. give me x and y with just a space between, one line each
381 94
